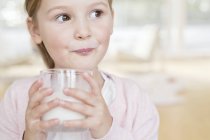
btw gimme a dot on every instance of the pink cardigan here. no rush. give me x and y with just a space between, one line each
134 115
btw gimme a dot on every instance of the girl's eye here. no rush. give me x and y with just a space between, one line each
96 14
63 18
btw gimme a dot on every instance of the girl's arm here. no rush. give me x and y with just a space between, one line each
148 131
144 127
8 117
16 112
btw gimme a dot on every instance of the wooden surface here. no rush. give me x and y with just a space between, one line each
189 120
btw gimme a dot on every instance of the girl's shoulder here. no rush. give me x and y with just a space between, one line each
132 98
23 83
128 88
20 87
125 83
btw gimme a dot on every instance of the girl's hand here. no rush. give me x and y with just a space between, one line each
98 119
35 127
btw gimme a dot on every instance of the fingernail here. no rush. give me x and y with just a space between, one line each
86 74
62 102
39 81
49 92
57 121
65 124
61 122
65 91
56 100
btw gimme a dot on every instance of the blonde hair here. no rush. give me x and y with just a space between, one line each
32 7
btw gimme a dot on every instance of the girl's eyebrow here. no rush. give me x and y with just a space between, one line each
57 7
99 3
66 7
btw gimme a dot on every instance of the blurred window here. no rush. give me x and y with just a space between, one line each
197 32
137 12
12 13
198 11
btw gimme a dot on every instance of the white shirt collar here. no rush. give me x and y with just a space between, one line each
109 89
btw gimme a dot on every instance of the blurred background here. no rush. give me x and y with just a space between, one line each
164 45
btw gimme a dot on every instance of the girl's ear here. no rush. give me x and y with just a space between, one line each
34 31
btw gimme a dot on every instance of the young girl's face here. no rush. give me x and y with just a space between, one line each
75 33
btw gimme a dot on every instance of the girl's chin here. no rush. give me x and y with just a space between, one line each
77 67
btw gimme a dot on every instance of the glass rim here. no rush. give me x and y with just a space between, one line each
60 70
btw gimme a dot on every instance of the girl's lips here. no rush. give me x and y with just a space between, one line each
84 51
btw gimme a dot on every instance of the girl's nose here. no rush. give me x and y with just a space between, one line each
82 30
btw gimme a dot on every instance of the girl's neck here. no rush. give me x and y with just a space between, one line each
98 77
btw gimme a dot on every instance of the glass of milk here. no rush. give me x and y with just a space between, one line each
58 80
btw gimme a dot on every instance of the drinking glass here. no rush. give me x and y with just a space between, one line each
58 80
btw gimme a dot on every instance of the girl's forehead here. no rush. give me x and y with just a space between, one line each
73 2
49 5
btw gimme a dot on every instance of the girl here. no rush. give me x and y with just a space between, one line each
75 34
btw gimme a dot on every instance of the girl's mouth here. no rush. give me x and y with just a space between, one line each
84 51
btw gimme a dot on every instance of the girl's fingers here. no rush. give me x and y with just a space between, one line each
37 97
81 96
93 84
35 87
44 125
44 108
77 124
78 107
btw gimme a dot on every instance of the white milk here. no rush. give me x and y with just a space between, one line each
61 113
